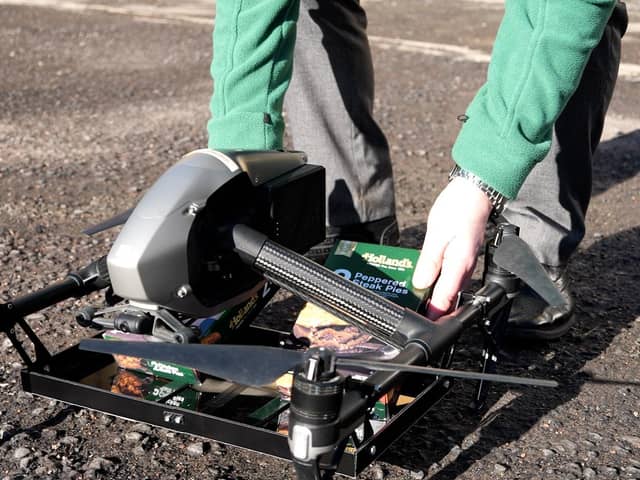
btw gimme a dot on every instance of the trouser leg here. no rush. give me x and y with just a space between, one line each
551 206
329 109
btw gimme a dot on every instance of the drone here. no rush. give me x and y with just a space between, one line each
226 228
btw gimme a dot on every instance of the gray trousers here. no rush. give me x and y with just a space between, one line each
330 116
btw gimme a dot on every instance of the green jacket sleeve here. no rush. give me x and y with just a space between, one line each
540 52
253 44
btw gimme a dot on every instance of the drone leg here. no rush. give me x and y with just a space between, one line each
489 365
308 471
494 332
9 326
314 471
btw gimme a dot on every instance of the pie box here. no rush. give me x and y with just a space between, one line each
215 329
385 270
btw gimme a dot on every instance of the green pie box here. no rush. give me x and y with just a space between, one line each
385 270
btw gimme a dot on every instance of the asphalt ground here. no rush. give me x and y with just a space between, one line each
98 99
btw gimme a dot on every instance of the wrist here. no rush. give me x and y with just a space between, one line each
495 199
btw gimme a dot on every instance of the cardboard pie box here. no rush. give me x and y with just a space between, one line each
382 269
385 270
215 329
173 393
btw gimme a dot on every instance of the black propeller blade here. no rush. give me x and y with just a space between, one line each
244 364
491 377
513 254
119 219
258 365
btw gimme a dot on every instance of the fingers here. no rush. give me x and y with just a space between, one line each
457 266
430 260
455 231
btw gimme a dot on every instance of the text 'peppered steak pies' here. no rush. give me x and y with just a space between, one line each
383 269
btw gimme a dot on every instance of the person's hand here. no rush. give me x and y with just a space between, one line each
455 234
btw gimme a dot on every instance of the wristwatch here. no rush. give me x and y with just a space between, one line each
497 199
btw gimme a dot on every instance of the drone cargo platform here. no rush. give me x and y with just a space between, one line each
234 414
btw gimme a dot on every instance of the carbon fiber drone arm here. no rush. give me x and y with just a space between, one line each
366 310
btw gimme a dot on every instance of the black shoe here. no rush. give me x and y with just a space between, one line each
384 231
533 319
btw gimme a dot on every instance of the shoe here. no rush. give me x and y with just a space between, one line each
384 232
532 318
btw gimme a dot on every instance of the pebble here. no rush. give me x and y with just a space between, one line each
133 436
5 431
90 475
35 317
377 472
631 440
98 463
417 474
25 462
21 437
69 440
547 453
569 446
499 468
105 420
608 471
216 447
632 471
21 452
592 455
139 451
588 473
594 436
574 468
197 449
40 471
49 433
142 428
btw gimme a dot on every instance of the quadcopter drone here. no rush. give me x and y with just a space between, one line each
220 228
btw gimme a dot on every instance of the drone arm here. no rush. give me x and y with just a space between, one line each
92 277
86 280
372 313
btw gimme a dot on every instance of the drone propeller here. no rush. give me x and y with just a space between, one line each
258 365
119 219
515 255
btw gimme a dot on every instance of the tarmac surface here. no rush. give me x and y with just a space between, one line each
97 99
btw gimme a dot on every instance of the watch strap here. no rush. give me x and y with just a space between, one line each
497 199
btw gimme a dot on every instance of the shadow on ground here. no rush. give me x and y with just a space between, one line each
624 151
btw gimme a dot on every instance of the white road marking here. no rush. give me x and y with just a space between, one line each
628 71
633 28
202 12
199 13
433 49
615 125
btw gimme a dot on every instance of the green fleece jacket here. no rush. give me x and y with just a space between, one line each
540 52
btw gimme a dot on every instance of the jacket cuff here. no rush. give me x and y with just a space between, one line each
500 162
246 131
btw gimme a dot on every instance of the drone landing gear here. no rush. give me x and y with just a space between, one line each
316 400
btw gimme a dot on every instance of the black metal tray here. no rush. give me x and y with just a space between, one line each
85 378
